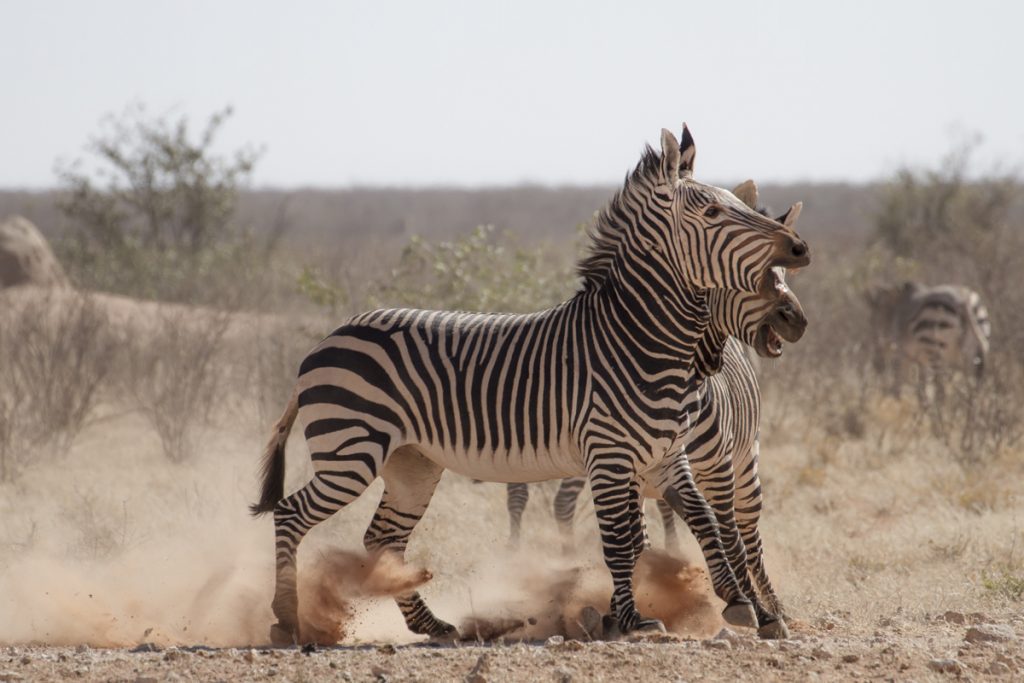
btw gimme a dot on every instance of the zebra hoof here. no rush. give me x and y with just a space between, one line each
283 636
610 627
774 630
740 614
444 632
591 623
649 626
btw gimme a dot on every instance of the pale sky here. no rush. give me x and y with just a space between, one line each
497 93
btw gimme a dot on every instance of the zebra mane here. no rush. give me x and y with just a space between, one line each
609 228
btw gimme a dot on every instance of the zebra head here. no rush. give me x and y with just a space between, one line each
721 242
762 320
672 232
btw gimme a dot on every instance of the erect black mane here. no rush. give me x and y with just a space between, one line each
608 230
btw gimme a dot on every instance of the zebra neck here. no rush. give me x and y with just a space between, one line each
662 322
708 353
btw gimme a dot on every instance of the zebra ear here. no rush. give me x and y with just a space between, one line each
789 218
687 152
746 192
669 155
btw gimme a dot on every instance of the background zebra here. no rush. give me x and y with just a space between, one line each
722 445
594 386
938 329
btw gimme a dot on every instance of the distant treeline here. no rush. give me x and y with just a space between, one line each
324 217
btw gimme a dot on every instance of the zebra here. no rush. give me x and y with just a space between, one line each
722 447
939 329
594 386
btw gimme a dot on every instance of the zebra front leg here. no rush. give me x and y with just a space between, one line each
746 503
326 493
668 524
410 480
612 486
695 511
748 515
517 496
565 509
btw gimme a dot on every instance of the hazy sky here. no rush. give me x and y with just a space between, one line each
473 93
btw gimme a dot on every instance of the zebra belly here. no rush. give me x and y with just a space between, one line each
508 467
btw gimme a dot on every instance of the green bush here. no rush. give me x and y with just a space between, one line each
155 218
485 270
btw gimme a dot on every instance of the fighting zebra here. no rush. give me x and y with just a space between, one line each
939 329
594 386
722 445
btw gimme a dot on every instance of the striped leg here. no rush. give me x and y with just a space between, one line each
681 494
409 483
613 486
518 495
565 508
668 523
326 493
641 541
721 486
748 515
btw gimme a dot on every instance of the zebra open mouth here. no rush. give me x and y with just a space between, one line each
769 343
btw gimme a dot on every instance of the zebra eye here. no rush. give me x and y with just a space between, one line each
712 211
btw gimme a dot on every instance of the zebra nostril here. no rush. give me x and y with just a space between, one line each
799 249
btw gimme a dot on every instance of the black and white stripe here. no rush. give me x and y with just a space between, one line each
595 386
940 330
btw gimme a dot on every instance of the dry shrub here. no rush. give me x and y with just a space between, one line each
58 349
274 349
175 374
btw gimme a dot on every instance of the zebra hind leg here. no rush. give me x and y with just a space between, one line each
410 480
518 495
641 541
294 516
668 523
565 509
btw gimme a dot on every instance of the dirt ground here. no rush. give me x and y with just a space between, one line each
908 650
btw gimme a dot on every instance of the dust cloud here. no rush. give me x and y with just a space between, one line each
113 546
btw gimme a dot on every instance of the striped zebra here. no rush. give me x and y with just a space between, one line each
594 386
939 329
722 445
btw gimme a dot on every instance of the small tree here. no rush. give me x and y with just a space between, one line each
155 217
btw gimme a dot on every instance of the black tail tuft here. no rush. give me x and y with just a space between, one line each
272 474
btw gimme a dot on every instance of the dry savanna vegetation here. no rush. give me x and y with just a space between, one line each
134 405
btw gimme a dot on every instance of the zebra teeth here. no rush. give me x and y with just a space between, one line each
769 342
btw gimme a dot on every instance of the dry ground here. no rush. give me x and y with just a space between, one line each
885 549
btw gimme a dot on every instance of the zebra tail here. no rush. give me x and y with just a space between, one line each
272 465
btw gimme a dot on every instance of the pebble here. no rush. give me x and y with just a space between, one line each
476 674
851 658
955 617
563 674
717 645
727 634
998 669
554 640
990 633
946 666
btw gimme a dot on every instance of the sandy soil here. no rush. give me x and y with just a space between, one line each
935 650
